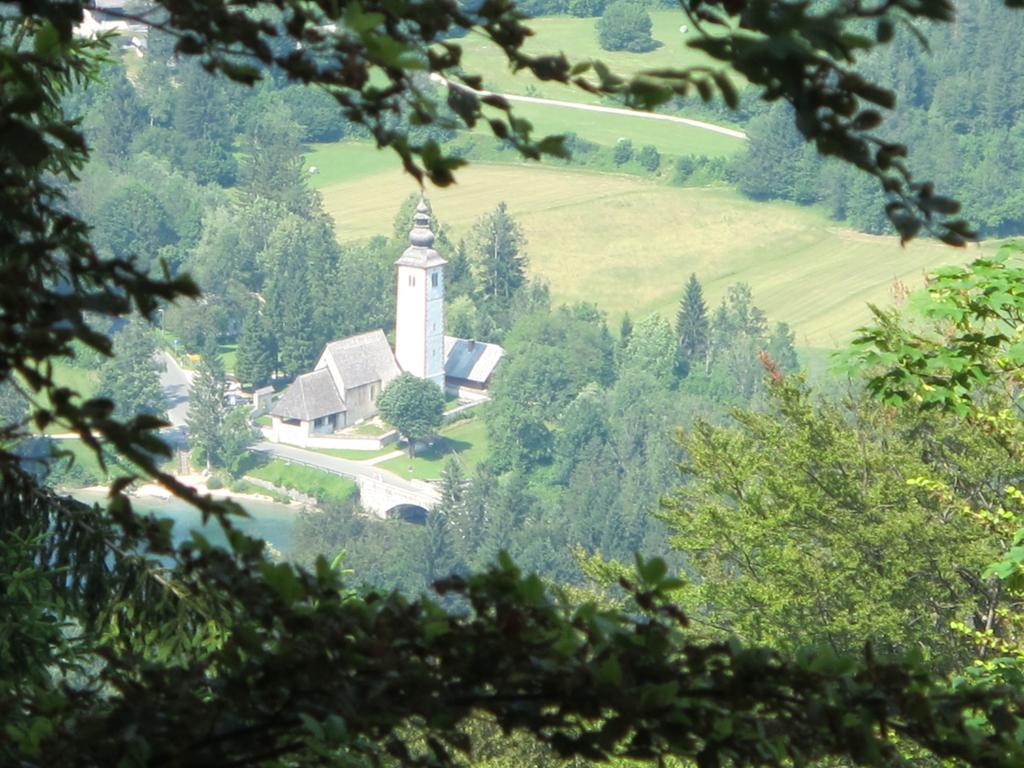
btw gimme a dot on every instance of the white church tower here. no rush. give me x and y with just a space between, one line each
419 315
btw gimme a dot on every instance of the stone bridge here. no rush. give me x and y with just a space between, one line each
380 494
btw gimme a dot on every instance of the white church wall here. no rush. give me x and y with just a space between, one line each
361 402
410 315
434 326
337 442
281 432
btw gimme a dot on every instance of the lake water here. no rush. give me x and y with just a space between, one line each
267 520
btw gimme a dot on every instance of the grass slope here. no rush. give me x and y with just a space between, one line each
629 244
577 38
314 482
466 440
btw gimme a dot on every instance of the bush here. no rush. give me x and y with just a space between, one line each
623 152
578 147
214 483
625 26
649 158
699 169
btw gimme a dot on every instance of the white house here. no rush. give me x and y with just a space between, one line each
343 387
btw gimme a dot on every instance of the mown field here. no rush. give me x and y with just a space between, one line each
577 38
629 244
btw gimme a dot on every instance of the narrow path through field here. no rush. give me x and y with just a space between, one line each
596 108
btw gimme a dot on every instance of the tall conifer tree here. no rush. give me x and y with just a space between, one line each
500 262
207 409
692 326
257 351
131 378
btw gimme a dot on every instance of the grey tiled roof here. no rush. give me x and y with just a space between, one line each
472 361
363 359
310 396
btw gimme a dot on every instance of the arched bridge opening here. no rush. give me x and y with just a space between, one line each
410 513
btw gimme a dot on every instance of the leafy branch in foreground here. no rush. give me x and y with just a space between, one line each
972 338
306 670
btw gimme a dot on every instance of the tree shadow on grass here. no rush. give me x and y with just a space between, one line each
441 447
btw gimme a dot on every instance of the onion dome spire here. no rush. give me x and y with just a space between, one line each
421 236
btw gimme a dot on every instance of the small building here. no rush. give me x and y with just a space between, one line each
469 366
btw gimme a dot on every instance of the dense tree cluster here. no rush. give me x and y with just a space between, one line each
957 108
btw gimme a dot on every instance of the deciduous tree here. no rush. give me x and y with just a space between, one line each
625 25
413 406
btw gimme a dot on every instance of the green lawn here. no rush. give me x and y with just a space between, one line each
83 380
368 429
348 161
229 357
465 439
354 455
606 129
322 485
577 38
629 244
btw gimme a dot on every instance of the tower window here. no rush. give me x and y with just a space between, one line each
412 280
433 279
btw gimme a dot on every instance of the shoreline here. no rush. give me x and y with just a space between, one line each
156 492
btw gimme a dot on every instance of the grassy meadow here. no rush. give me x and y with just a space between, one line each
577 38
629 244
325 486
466 440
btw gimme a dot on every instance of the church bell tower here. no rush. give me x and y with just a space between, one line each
419 311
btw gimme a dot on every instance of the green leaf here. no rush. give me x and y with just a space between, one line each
282 579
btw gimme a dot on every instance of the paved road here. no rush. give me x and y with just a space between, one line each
340 466
176 382
597 108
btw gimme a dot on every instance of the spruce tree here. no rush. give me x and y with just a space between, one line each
257 351
131 378
462 508
439 553
781 348
692 327
207 409
625 330
499 260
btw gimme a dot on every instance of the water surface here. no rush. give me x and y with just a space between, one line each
267 520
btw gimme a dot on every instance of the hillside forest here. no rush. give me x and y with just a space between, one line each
702 466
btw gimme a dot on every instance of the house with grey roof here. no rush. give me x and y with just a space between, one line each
341 390
343 387
469 366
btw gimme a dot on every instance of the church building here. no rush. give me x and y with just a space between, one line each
343 387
